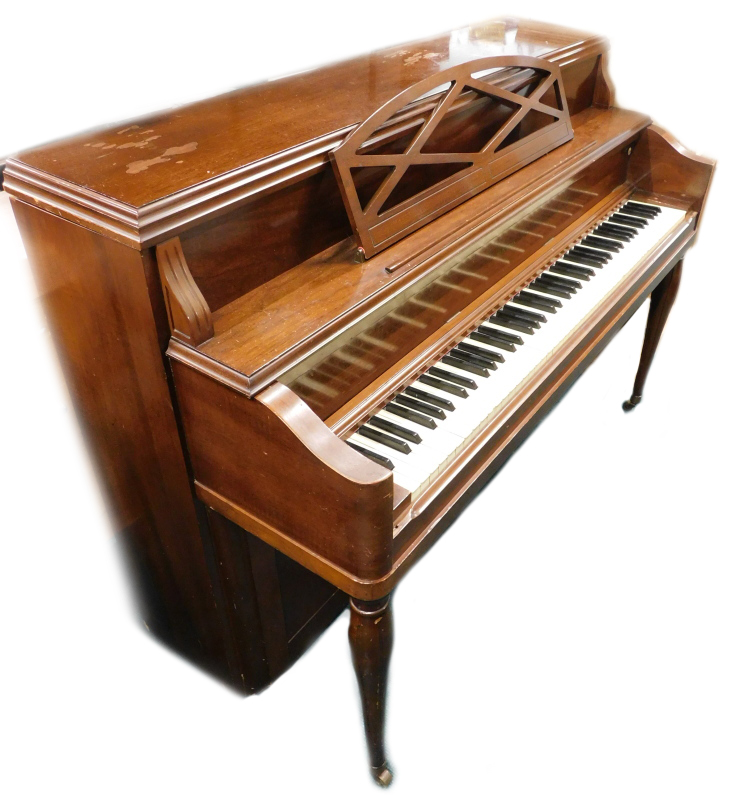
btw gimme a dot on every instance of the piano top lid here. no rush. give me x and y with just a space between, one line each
140 162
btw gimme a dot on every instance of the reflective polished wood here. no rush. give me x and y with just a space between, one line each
223 332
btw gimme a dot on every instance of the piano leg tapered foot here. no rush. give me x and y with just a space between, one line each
633 402
370 635
661 301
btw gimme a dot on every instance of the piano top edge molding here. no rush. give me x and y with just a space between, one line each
143 180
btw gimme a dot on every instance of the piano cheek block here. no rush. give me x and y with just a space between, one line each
269 464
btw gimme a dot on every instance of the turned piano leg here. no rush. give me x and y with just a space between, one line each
370 635
661 301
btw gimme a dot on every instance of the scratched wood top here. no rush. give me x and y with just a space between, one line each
139 162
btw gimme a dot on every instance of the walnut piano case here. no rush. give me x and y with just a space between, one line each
305 263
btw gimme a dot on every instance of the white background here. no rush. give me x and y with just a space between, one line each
587 643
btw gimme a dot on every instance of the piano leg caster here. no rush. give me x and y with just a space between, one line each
370 635
382 775
661 301
634 401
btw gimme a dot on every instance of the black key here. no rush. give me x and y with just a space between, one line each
564 284
480 351
503 336
398 430
618 228
511 312
561 281
635 208
587 251
478 336
472 358
612 233
465 364
514 324
536 301
547 288
623 219
639 213
573 271
623 229
656 209
641 210
412 416
425 402
445 375
603 244
587 261
383 460
383 438
534 316
444 386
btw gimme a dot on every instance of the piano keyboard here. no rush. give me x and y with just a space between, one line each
427 424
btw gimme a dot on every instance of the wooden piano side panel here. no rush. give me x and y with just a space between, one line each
97 302
105 308
662 167
270 465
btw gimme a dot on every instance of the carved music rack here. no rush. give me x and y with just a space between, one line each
445 139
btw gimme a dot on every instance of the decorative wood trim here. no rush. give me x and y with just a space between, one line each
661 165
188 314
377 228
154 222
603 93
216 370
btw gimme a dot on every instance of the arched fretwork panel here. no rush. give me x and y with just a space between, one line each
445 139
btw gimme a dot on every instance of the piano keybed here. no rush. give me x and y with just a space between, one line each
423 427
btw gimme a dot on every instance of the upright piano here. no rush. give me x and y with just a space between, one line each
305 321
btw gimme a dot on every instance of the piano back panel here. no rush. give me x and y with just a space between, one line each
329 379
234 253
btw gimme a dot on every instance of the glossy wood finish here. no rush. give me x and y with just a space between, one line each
259 299
220 135
189 316
270 329
273 607
662 167
477 132
661 302
249 456
421 310
97 300
105 309
370 636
